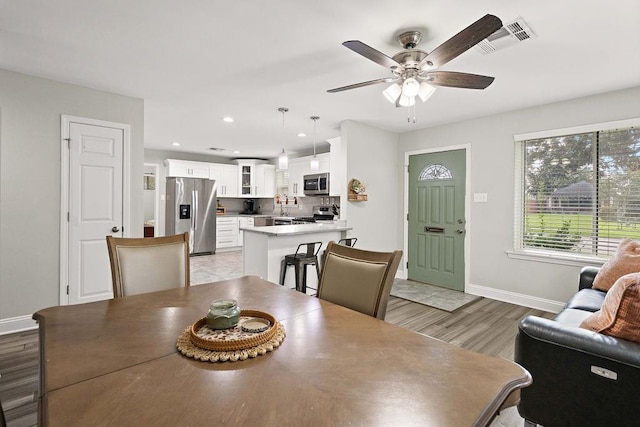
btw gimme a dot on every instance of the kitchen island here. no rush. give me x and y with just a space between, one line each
265 247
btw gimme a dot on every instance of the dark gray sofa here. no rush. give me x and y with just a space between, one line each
580 377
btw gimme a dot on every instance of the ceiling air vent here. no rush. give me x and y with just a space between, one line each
216 149
510 34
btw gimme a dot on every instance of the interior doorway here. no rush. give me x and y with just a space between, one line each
94 178
151 200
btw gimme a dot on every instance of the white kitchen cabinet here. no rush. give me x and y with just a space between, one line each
186 169
243 221
265 180
300 167
297 169
246 179
226 232
324 160
256 179
226 177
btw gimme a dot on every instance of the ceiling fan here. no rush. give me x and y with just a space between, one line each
413 71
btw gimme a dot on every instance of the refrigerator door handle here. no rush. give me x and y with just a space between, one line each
194 214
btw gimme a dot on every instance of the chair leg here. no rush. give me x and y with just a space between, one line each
317 264
304 279
283 271
300 277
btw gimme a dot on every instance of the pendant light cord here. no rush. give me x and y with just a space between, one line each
315 122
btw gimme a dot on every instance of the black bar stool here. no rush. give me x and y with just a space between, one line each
349 241
300 260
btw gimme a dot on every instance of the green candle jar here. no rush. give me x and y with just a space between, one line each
223 314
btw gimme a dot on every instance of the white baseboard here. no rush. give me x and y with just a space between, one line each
515 298
17 324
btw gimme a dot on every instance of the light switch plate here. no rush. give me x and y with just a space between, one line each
480 197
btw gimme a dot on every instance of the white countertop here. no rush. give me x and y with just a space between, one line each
294 229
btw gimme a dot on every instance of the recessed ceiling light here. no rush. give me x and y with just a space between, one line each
227 119
236 152
301 135
175 143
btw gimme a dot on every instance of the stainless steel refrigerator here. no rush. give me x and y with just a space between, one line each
191 206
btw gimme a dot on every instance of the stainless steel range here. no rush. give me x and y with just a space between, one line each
326 213
303 220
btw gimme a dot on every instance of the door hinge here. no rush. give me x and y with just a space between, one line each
68 142
407 265
407 168
407 217
68 217
67 289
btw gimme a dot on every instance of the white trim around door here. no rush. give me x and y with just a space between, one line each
65 121
467 202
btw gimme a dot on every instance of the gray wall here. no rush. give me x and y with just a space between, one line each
30 181
491 225
372 158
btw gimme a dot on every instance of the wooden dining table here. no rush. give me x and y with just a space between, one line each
115 362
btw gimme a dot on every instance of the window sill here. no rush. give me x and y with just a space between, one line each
554 258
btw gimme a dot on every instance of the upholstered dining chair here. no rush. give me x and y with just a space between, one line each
358 279
3 421
140 265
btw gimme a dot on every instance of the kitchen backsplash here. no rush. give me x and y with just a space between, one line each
267 206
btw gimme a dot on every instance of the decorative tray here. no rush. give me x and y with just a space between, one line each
255 334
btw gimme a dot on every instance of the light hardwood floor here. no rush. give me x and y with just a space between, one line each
486 326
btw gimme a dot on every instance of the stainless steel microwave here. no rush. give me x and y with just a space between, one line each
316 184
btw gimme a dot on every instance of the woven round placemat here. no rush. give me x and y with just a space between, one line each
187 348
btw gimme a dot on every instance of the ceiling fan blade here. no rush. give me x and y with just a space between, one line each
370 53
463 41
362 84
454 79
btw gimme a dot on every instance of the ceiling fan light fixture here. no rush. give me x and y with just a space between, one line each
426 90
410 87
407 101
392 93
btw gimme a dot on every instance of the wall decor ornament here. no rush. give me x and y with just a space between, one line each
356 191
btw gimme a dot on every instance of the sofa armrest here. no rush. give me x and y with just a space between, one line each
572 368
587 274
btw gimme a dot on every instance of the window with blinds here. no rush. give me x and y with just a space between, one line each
578 192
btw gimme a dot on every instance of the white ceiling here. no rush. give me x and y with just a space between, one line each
195 61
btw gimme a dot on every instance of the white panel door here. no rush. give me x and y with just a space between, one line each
95 208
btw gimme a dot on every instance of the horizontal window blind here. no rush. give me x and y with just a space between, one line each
579 192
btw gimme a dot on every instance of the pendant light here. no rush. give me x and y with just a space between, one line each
315 164
283 160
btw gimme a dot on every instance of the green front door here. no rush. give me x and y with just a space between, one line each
436 218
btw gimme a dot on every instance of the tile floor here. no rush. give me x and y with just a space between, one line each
213 268
434 296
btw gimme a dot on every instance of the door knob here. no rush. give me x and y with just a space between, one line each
460 231
115 229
